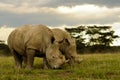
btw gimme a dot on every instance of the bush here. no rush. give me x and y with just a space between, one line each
4 50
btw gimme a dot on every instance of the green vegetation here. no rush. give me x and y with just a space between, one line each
97 66
94 67
4 50
91 37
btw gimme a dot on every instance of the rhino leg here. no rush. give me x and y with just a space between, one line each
25 60
18 59
30 58
45 63
72 61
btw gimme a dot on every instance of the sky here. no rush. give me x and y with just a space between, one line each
58 13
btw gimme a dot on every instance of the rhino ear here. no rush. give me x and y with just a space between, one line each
67 41
67 61
52 40
64 41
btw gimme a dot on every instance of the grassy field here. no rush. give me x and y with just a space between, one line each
93 67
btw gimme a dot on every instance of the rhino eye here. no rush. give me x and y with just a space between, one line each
53 56
61 57
72 56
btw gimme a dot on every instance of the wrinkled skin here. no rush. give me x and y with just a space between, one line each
29 41
56 60
67 45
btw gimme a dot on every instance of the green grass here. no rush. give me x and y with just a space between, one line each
93 67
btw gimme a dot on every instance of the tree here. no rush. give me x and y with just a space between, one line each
4 50
100 35
1 41
94 37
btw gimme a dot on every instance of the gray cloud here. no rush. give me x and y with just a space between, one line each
53 17
55 3
108 3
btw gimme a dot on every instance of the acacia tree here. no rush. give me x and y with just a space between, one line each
100 36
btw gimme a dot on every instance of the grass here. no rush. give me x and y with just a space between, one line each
93 67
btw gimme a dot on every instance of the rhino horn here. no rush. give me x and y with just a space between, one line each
67 60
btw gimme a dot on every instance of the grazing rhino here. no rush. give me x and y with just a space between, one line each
29 41
67 45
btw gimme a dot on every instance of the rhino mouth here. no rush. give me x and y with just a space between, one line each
60 66
57 68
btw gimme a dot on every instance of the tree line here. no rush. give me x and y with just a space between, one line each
4 49
93 38
89 39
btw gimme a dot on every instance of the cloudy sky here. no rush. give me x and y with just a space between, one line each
58 13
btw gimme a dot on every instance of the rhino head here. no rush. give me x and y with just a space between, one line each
54 57
68 47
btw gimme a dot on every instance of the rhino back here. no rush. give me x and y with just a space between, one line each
16 39
11 38
38 38
60 34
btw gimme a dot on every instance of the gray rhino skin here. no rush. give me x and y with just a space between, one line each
67 45
29 41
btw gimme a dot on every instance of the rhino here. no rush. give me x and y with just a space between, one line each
29 41
67 45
